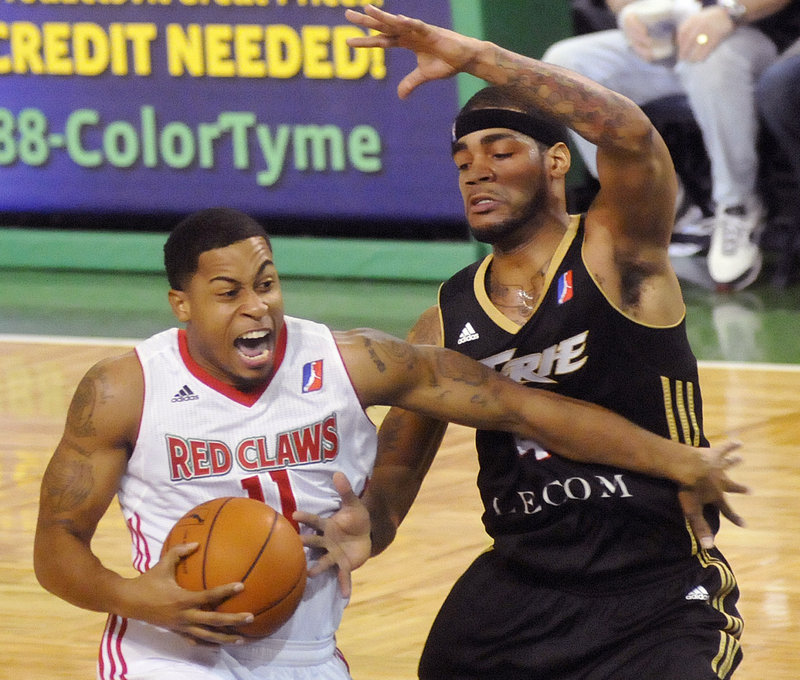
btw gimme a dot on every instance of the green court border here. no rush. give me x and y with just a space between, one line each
296 256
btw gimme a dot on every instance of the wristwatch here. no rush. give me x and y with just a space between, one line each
735 9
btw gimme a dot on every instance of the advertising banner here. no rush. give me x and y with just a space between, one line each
142 106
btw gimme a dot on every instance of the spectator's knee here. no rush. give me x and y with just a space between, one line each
770 95
574 53
716 72
559 54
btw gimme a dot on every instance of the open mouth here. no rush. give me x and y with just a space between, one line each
482 203
253 344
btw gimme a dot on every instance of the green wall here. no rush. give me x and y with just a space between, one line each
525 26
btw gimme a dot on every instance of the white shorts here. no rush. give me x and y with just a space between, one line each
134 650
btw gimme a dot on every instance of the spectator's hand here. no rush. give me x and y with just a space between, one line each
441 53
156 597
700 33
344 536
638 38
711 490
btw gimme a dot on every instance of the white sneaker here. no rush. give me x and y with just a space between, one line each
692 233
734 259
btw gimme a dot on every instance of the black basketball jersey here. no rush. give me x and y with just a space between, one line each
556 517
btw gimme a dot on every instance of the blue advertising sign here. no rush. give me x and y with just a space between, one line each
171 105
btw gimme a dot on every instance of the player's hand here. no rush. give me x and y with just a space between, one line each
711 490
156 597
441 53
344 536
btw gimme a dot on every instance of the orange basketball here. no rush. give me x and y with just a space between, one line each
244 540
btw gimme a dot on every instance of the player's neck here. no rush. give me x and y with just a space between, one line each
517 261
516 277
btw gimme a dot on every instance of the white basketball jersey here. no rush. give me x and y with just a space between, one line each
201 439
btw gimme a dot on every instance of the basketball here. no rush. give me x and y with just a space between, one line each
245 540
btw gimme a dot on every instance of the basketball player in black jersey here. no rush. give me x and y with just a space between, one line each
594 573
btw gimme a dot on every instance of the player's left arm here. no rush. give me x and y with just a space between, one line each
449 386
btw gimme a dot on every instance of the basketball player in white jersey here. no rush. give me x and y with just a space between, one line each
234 404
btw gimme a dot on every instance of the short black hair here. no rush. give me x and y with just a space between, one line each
201 231
514 100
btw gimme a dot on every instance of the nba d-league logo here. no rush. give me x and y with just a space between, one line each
565 289
312 376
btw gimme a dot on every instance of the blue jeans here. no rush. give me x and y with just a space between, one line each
778 96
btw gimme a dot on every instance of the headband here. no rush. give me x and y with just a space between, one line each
542 130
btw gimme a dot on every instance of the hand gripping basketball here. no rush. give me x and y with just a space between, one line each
247 541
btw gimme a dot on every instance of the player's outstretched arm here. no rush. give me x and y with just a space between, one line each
593 111
407 444
78 485
446 385
637 178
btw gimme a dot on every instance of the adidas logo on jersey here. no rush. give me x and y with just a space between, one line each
467 334
698 593
184 394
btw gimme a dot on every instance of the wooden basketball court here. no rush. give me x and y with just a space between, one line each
398 593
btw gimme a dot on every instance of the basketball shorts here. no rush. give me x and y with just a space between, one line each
133 650
498 623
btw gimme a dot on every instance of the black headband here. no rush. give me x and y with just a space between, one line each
546 131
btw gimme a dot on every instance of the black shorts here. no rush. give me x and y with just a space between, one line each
497 623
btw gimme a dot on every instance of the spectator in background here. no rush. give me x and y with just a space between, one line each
719 52
778 98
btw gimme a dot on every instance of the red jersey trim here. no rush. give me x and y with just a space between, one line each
244 398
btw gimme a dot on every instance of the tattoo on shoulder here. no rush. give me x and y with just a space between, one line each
90 392
426 331
66 485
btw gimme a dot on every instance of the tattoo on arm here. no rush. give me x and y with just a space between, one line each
66 485
374 355
90 393
82 407
389 433
599 115
399 352
454 366
390 350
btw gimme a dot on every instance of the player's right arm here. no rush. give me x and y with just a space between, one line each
78 485
407 445
630 221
